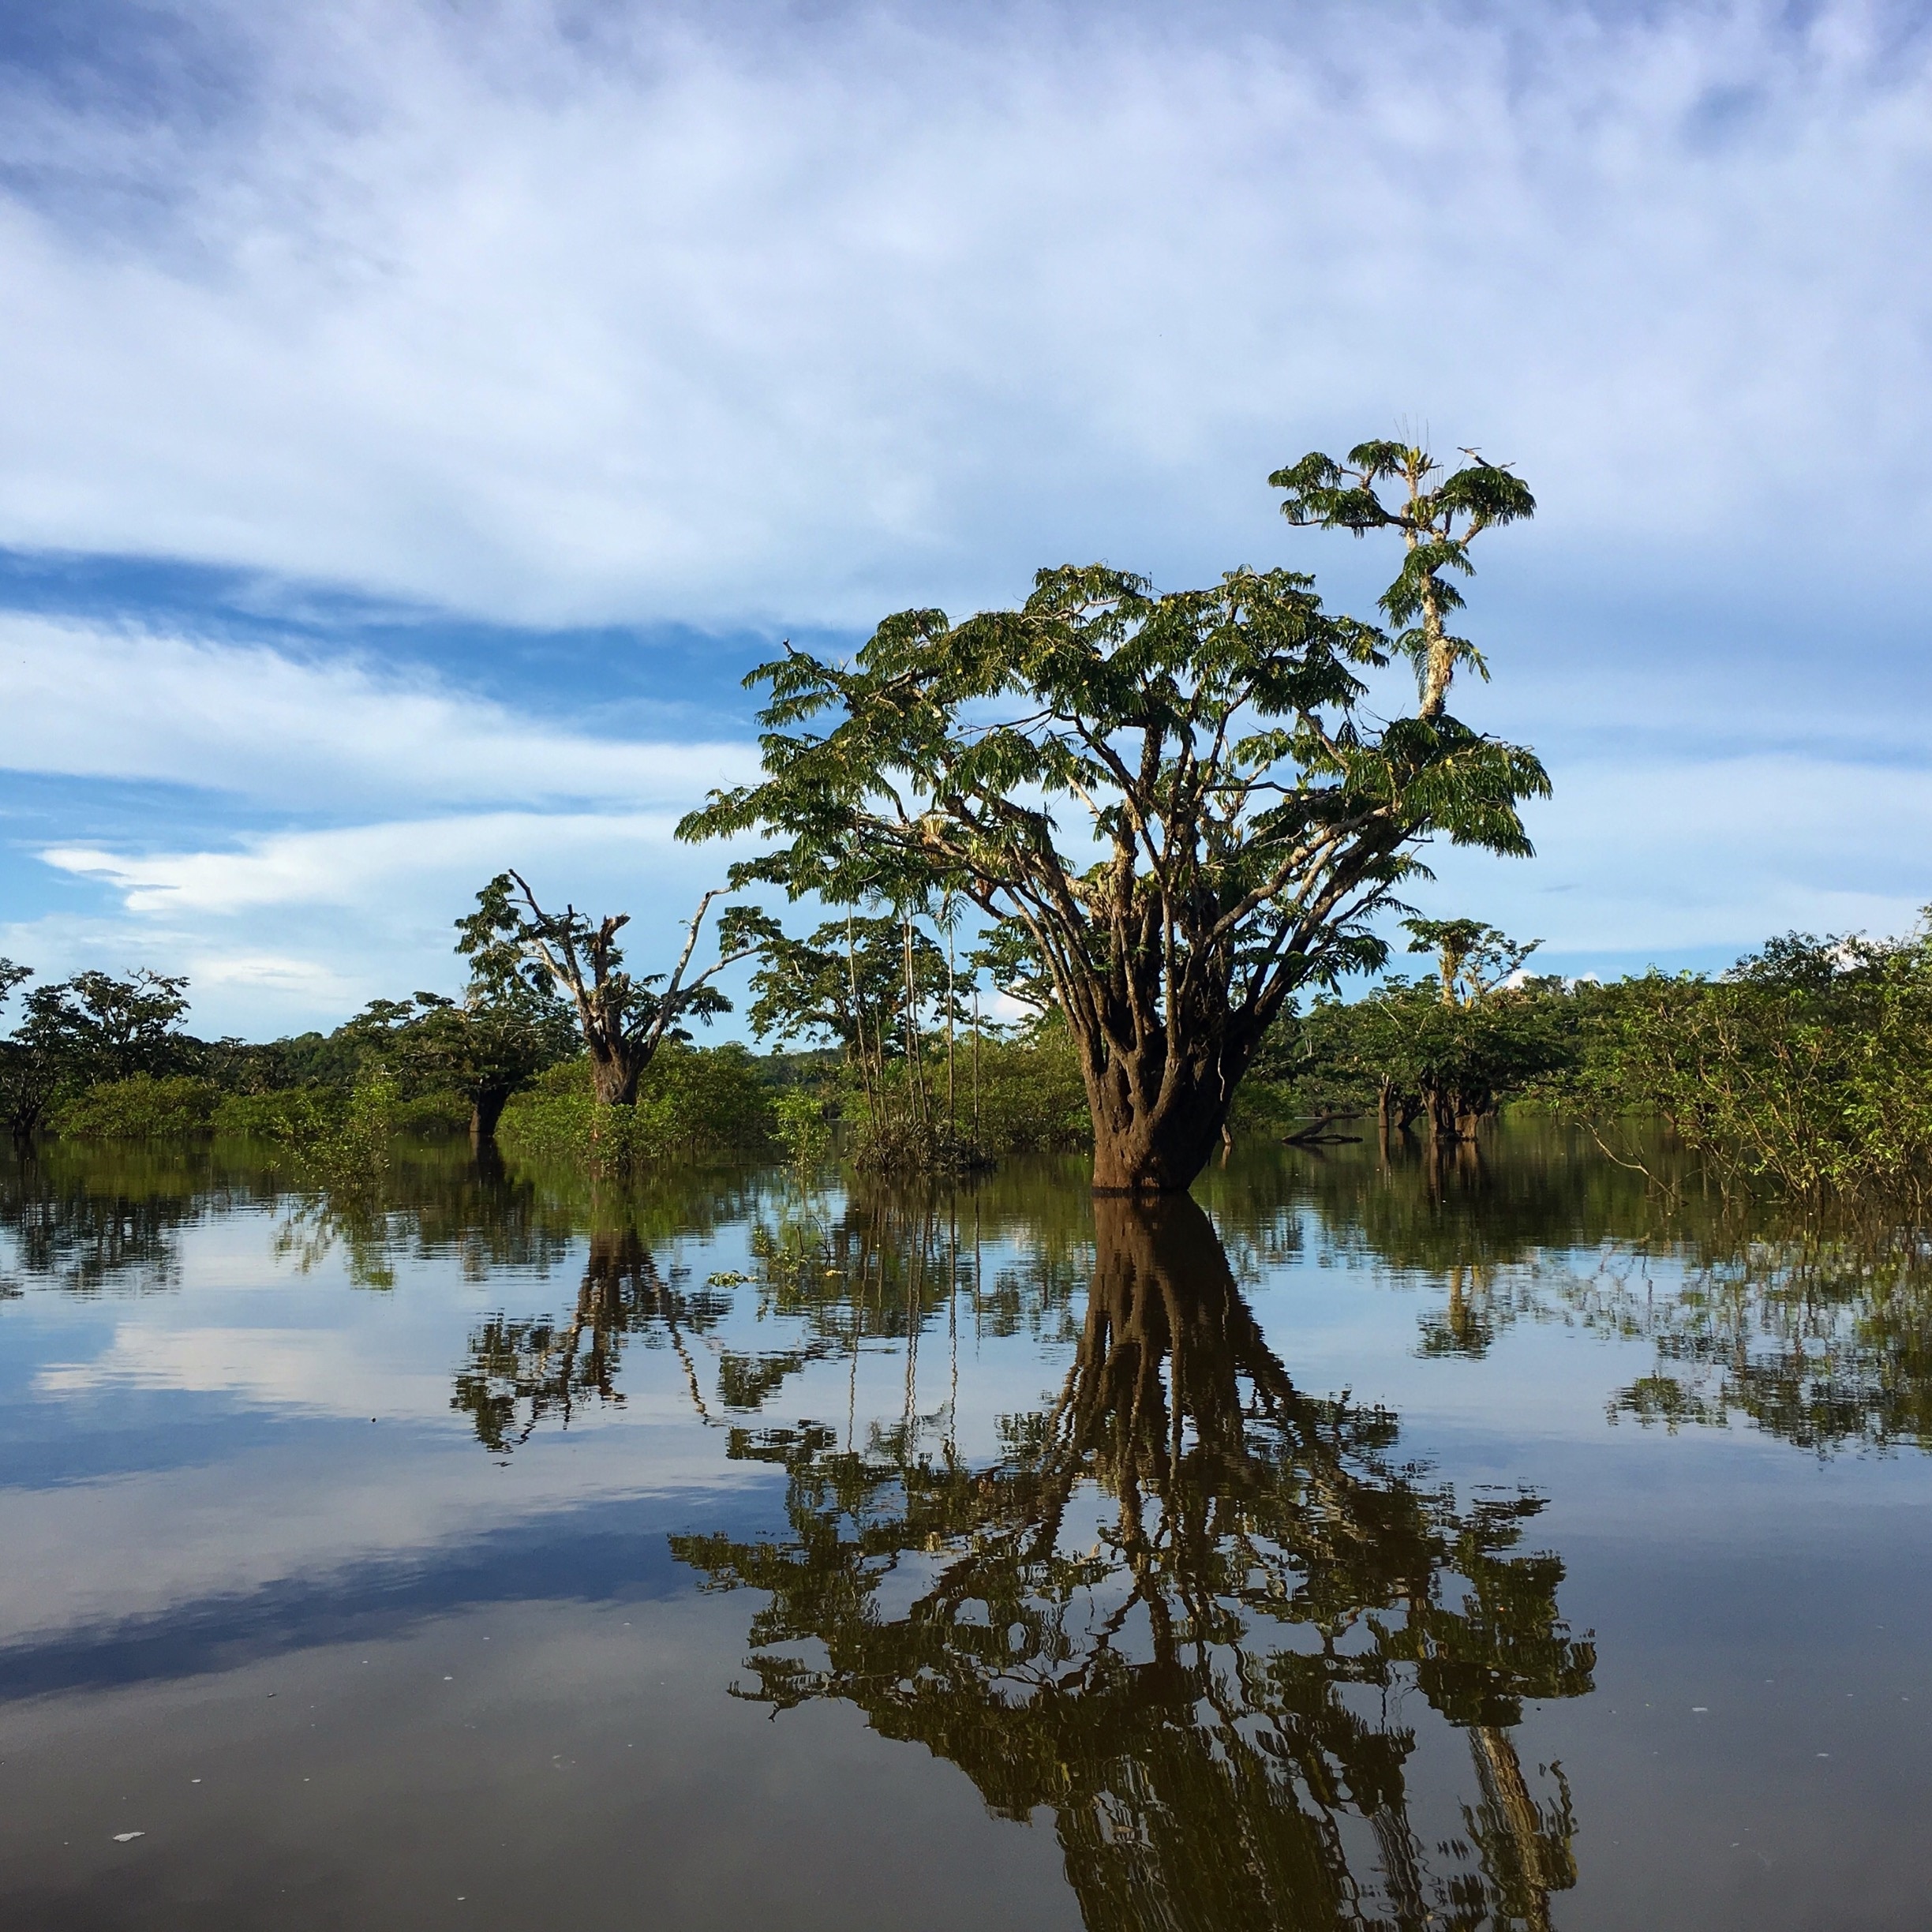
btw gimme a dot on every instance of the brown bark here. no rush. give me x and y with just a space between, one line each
486 1109
1153 1150
614 1074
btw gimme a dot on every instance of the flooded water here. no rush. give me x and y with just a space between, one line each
1520 1545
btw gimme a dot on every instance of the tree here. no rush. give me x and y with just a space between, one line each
480 1049
1472 959
1802 1069
28 1078
624 1018
89 1029
510 1024
873 986
1437 526
113 1029
1450 1051
1239 819
847 985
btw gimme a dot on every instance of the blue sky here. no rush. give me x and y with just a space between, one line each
419 417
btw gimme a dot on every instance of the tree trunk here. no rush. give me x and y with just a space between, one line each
486 1107
615 1077
1156 1149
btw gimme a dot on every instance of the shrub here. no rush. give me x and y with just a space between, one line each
800 1124
692 1100
442 1112
1032 1098
288 1113
1806 1067
140 1108
354 1153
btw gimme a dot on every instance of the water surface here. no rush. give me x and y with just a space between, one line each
1520 1544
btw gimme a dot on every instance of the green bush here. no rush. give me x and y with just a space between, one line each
1031 1097
1807 1067
140 1108
354 1153
442 1112
692 1100
801 1125
288 1113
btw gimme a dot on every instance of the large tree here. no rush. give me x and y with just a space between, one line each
91 1028
1178 797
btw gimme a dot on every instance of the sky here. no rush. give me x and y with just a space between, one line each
419 417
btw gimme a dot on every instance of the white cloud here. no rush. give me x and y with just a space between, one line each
1682 854
285 930
94 700
362 864
705 316
317 1371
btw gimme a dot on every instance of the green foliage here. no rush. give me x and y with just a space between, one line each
799 1121
887 996
290 1115
1408 1049
1210 743
1807 1067
108 1029
1031 1097
139 1108
354 1155
460 1061
690 1100
1438 523
1472 960
849 984
90 1029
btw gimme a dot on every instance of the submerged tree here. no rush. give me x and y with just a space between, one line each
877 986
1157 1614
623 1017
510 1024
93 1027
1238 818
1449 1052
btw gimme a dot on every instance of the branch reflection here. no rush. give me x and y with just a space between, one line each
1191 1610
525 1371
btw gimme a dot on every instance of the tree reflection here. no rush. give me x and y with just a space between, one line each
1821 1338
1187 1610
73 1220
522 1373
446 1201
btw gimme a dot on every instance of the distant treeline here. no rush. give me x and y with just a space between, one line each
1807 1068
1804 1068
101 1057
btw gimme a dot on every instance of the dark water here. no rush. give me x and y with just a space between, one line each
1515 1546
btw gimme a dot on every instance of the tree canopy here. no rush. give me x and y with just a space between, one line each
1179 798
624 1017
